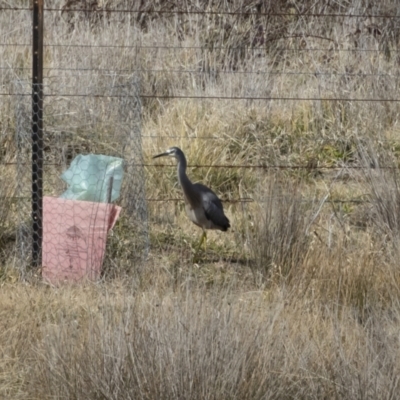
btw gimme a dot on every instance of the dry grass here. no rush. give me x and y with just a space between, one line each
300 299
112 342
281 239
330 332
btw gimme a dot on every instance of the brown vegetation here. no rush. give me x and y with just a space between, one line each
301 298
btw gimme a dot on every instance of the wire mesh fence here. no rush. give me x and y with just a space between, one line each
75 128
252 96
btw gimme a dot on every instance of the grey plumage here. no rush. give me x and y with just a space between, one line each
203 206
213 208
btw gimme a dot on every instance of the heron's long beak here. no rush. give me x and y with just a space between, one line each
161 155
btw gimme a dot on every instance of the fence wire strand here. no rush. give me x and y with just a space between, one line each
201 12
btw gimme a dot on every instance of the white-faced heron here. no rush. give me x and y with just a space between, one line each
203 206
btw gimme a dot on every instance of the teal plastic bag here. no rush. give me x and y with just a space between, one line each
88 178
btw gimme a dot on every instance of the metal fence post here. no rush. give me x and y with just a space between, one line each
37 133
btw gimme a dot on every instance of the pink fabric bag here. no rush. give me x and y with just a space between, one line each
74 238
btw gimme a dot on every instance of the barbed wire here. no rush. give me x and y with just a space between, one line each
240 98
242 166
181 200
232 201
253 135
203 48
206 72
278 167
272 98
202 12
251 200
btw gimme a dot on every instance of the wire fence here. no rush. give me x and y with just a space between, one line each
333 77
94 10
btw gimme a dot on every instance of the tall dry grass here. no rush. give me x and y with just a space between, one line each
282 237
109 342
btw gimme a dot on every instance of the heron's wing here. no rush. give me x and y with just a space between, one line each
213 208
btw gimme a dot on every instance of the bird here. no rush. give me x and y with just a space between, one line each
203 206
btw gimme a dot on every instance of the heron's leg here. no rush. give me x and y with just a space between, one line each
203 239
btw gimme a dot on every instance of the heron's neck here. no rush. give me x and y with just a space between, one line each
183 178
